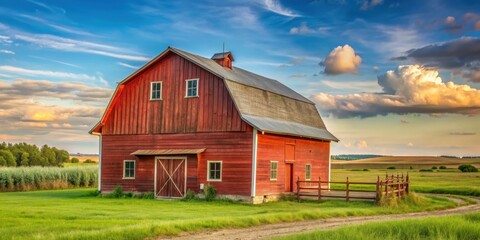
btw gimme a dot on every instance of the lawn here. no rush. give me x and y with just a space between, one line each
76 214
441 181
452 227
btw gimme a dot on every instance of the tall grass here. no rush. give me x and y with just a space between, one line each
41 178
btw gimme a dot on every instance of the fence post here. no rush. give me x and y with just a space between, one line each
298 188
377 190
319 189
386 187
348 191
398 187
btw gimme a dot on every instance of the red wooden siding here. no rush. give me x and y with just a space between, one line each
233 148
278 148
134 113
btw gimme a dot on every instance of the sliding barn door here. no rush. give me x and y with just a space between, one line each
171 177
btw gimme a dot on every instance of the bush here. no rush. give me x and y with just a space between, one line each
191 195
365 170
89 161
434 167
425 170
391 167
148 195
411 167
116 193
210 192
75 160
467 168
443 167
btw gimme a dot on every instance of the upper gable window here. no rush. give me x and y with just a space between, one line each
192 88
156 91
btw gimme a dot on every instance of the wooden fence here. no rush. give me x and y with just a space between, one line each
398 185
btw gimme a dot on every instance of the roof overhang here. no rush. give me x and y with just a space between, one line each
288 128
156 152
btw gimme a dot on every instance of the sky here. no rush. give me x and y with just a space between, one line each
389 77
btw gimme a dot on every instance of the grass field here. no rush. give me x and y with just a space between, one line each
76 214
441 181
402 162
465 227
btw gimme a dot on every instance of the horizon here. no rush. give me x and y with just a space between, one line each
389 77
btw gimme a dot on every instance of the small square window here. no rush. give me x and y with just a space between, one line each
129 169
156 91
192 88
308 171
273 170
214 170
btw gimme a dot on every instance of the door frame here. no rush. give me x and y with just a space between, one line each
155 175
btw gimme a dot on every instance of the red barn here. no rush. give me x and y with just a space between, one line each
183 121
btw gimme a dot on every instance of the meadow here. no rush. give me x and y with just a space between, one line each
465 227
404 162
449 181
78 214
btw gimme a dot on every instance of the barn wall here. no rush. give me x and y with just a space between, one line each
273 148
133 112
233 148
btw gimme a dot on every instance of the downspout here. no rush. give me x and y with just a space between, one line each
99 163
254 162
329 163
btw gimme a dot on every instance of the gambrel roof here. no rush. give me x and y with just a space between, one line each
265 104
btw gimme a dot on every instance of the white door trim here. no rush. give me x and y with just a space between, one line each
156 166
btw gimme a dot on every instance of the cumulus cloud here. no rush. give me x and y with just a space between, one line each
302 29
361 144
461 54
341 60
368 4
408 89
276 7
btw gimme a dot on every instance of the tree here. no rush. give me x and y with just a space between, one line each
9 158
2 162
25 159
75 160
62 156
49 155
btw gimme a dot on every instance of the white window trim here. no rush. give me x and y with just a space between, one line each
270 172
208 170
134 168
161 91
310 178
186 87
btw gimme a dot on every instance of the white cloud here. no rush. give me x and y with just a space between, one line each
449 20
127 65
6 51
302 29
6 40
56 26
342 60
363 86
276 7
71 45
45 73
370 4
408 89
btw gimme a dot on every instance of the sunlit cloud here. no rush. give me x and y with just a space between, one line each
341 60
276 7
408 89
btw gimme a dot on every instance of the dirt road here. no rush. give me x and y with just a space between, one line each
280 229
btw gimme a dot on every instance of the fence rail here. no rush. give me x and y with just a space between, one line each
391 184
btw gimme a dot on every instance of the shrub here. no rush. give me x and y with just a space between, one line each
443 167
75 160
116 193
365 170
191 195
467 168
210 192
148 195
391 167
434 167
425 170
89 161
411 167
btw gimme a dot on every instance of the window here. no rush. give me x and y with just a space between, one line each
192 88
156 91
214 171
129 169
308 170
273 170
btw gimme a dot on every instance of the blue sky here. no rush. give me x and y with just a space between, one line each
60 61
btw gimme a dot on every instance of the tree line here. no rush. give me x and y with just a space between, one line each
23 154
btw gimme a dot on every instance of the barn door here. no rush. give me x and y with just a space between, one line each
288 177
170 179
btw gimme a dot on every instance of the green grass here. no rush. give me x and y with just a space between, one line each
76 214
442 181
452 227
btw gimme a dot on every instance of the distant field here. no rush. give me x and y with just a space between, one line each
401 162
82 158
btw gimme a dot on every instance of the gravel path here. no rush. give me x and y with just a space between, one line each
280 229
